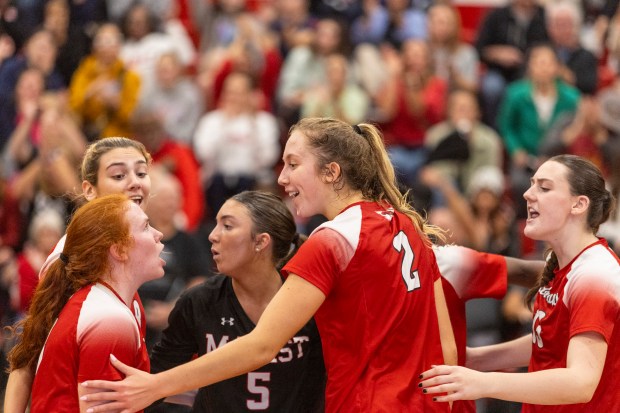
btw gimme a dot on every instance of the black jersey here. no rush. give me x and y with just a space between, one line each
207 317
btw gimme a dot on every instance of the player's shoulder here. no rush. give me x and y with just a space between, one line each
213 287
597 261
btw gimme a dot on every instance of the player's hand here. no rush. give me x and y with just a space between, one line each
450 383
135 392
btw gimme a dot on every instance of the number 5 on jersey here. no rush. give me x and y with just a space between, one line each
411 278
255 379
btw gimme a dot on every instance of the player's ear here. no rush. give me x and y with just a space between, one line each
118 253
580 205
331 172
262 241
89 191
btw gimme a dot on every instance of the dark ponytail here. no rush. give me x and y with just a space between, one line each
547 275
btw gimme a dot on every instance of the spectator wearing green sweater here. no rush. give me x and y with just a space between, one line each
529 108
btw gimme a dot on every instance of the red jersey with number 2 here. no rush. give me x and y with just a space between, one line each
378 323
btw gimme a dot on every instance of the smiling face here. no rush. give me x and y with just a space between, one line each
233 246
549 202
300 177
144 253
121 170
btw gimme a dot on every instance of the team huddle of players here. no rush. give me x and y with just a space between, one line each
365 315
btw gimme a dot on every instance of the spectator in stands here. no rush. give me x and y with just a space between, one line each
293 24
338 97
7 47
599 21
175 98
459 146
578 65
178 159
455 61
39 52
44 232
480 217
20 19
237 144
73 43
304 68
344 11
252 51
88 15
412 100
394 23
612 43
146 39
529 108
219 24
103 91
579 133
503 39
46 135
22 143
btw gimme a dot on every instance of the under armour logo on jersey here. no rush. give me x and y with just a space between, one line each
230 321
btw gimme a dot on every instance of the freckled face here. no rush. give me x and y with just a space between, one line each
144 255
300 177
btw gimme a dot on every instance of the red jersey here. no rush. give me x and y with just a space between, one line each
468 274
583 297
92 325
378 323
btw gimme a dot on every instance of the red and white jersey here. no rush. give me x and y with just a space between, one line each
583 297
378 323
54 255
468 274
136 306
92 325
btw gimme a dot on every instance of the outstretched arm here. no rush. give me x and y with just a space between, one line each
511 354
574 384
291 308
523 272
17 391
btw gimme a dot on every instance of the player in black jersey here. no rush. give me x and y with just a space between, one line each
254 236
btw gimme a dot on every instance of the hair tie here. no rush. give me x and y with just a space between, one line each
357 129
64 258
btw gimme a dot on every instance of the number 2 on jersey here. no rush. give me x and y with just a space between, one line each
411 278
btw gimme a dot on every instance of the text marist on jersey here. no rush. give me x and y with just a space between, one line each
294 348
545 293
